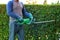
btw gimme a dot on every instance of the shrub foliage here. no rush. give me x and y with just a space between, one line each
45 31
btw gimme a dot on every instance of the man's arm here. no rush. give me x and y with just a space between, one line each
10 12
29 15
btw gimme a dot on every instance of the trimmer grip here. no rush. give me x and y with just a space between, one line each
25 21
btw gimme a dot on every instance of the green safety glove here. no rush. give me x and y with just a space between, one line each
19 21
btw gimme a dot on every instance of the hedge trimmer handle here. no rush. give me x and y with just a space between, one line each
25 21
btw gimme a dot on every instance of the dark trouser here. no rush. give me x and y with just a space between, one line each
14 29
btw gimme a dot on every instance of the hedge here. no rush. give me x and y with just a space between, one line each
45 31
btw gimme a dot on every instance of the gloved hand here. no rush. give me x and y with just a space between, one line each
31 19
19 21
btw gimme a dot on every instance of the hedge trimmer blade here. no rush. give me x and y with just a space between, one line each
43 22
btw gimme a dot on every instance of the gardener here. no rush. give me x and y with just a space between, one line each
16 10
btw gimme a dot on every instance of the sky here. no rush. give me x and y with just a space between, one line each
24 1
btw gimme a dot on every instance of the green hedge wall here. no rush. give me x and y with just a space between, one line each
45 31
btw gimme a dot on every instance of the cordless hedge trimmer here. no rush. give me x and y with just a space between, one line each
26 21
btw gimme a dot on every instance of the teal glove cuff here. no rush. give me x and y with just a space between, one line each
30 16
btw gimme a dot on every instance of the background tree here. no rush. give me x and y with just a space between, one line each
32 1
58 2
45 2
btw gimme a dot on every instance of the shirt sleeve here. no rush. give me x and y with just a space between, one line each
10 12
26 13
